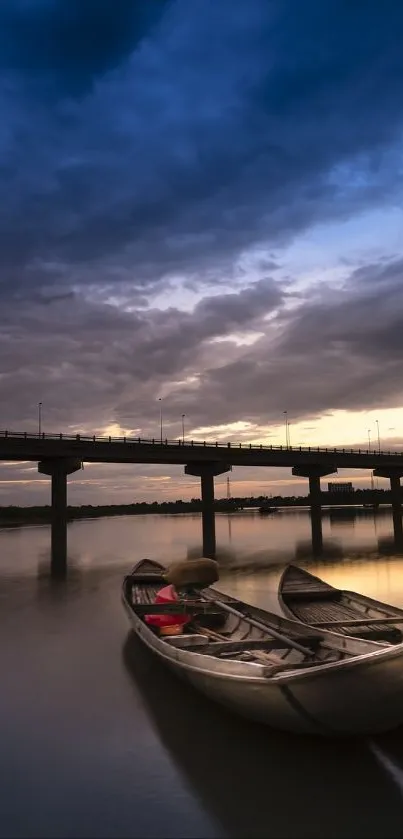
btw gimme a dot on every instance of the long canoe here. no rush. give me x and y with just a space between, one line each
271 669
310 600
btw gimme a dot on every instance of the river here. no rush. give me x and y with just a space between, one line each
97 740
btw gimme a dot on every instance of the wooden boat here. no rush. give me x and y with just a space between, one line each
309 599
269 668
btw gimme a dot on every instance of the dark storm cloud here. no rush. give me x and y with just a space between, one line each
63 46
340 350
175 141
93 364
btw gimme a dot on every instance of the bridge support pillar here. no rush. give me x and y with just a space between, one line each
314 474
206 472
58 469
394 476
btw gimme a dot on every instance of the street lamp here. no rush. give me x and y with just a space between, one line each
369 439
287 443
39 418
183 428
160 401
379 439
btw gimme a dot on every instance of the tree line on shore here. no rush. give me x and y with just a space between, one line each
42 514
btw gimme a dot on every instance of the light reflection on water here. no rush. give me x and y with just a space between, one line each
97 739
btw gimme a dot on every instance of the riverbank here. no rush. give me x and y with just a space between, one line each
18 516
13 516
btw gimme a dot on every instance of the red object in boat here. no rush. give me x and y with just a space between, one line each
168 594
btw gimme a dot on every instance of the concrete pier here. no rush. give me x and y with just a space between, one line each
58 469
207 472
394 476
314 474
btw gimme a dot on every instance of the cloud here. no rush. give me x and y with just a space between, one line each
175 144
62 48
336 350
92 364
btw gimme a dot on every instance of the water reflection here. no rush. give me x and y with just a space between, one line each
99 743
77 578
398 530
244 538
387 546
258 782
316 531
341 516
330 549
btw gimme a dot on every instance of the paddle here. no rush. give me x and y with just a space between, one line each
265 627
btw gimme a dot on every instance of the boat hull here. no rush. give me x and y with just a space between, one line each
360 696
317 604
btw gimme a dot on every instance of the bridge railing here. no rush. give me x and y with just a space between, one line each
84 438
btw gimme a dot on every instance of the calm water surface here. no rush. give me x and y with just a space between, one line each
97 740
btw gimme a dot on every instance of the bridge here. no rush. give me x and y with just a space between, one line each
59 455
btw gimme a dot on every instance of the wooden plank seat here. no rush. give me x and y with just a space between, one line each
146 577
187 640
379 632
358 622
177 608
312 594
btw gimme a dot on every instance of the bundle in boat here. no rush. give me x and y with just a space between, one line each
195 573
191 576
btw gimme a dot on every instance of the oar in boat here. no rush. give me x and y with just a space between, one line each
265 627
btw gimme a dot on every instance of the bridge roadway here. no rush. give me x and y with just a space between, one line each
61 454
92 449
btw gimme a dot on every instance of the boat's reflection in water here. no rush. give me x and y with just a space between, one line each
262 783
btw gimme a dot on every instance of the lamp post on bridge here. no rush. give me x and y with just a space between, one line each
183 428
286 429
160 401
39 418
369 439
379 439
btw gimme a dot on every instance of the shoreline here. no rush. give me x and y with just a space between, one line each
20 520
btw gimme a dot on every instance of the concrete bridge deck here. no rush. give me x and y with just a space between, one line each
92 449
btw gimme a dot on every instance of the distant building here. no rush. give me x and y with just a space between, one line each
340 487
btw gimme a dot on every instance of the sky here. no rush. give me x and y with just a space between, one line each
201 203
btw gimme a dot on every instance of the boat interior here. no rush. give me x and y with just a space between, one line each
243 634
320 605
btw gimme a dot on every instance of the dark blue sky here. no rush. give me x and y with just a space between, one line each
200 200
